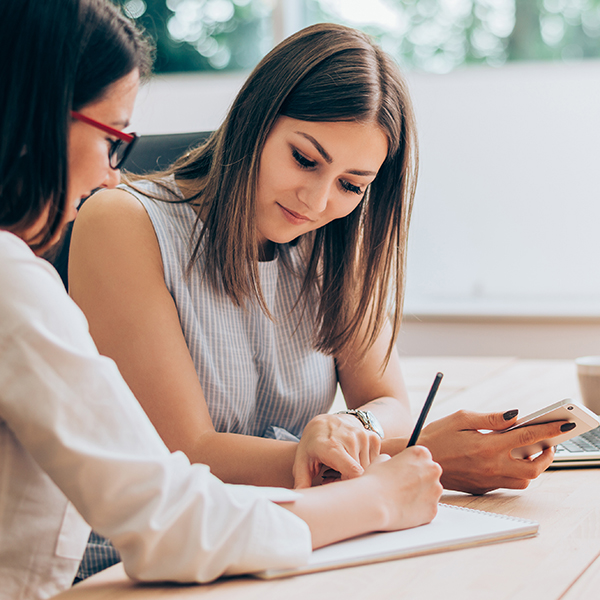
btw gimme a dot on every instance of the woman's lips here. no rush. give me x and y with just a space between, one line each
293 217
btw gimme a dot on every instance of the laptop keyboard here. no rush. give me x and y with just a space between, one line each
587 442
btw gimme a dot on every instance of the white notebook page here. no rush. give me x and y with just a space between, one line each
453 527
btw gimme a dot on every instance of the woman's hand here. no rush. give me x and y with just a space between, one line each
396 493
339 442
477 462
409 485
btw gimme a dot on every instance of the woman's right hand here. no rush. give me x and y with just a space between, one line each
407 486
394 493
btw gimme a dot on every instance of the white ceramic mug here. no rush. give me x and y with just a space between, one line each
588 373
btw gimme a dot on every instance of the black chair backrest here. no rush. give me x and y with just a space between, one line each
150 153
157 152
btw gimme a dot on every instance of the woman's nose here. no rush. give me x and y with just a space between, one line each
316 197
113 178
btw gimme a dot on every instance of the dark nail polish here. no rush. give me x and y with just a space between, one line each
567 426
510 414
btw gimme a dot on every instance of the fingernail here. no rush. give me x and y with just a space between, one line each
567 426
510 414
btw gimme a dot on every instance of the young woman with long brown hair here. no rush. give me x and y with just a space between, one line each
238 288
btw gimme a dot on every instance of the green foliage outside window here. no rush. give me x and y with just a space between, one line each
440 35
204 35
429 35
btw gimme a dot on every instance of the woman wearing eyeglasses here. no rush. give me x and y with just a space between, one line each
76 449
119 147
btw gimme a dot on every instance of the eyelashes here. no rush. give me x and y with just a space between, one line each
302 160
351 188
305 163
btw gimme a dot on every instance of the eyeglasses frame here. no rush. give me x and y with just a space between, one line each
128 138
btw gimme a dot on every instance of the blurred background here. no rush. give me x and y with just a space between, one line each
505 241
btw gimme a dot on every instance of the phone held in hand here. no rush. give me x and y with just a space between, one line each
565 410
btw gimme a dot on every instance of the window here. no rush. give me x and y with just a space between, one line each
428 35
204 35
440 35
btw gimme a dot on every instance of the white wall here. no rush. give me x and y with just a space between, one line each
184 103
507 214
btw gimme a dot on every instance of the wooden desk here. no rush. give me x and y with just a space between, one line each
562 562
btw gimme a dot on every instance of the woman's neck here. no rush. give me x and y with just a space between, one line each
266 251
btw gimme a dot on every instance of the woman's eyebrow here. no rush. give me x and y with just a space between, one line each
361 173
120 123
326 156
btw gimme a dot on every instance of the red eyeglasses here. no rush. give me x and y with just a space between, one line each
120 148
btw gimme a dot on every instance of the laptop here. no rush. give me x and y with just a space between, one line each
580 451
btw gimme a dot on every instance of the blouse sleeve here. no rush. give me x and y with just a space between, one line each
72 411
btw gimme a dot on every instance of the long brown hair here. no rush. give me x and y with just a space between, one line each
356 264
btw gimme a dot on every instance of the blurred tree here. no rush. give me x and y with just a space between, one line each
204 35
439 35
430 35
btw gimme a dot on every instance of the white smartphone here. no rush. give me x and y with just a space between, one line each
565 410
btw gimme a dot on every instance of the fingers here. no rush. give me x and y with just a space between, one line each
339 442
350 454
381 459
307 466
421 457
525 436
302 474
408 487
363 445
544 460
525 470
339 460
465 419
369 448
476 462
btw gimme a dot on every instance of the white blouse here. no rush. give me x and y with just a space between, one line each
76 448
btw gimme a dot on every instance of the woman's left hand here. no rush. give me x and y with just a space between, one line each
339 442
476 462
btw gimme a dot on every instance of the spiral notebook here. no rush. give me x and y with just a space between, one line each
454 527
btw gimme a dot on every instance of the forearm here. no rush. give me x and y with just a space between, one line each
245 459
332 517
393 446
384 393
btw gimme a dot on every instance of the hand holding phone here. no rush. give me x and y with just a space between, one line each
565 410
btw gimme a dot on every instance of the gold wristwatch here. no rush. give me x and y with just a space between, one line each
367 418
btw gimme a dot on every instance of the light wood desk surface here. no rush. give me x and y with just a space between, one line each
562 562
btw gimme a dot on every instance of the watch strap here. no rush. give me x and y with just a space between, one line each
367 418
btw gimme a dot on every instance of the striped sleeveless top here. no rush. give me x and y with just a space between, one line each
260 377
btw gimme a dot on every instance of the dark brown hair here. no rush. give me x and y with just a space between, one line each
330 73
57 56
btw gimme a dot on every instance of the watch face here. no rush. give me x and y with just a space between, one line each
367 418
374 424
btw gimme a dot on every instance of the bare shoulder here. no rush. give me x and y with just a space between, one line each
113 230
110 209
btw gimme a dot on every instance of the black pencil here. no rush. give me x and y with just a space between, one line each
425 410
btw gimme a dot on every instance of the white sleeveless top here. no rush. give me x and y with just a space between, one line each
259 376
